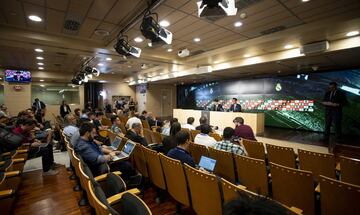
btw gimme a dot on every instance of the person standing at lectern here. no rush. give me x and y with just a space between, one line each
235 107
334 100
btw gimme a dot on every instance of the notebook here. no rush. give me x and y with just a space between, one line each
125 151
207 163
115 144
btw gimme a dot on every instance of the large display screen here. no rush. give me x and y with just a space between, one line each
289 101
17 76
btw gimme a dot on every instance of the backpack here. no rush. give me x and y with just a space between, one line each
9 141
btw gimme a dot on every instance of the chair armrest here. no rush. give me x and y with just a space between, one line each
241 187
317 189
2 163
18 160
103 176
296 210
117 197
12 174
6 154
22 151
6 193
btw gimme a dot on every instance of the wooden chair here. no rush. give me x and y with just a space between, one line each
317 163
252 174
156 174
216 136
224 167
284 156
148 135
175 179
204 190
145 124
193 134
122 128
254 149
140 160
197 150
8 188
111 136
350 170
106 122
338 197
123 119
157 138
293 187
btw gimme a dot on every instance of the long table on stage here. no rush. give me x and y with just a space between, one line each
222 119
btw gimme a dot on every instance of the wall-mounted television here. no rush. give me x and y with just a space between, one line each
21 76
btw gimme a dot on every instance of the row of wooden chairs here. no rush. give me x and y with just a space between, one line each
106 193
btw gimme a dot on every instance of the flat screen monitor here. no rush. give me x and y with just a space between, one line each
19 76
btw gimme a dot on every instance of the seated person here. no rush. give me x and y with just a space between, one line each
136 134
132 119
189 125
203 120
243 131
143 115
70 125
169 142
227 145
203 138
151 120
24 127
181 152
167 126
97 121
115 128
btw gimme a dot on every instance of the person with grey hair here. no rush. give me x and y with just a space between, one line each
136 134
70 129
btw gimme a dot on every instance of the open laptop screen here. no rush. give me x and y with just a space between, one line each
128 148
207 163
115 144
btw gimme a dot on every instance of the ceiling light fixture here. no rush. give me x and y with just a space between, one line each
100 64
108 59
40 64
164 23
124 48
352 33
41 85
238 24
247 55
305 0
35 18
41 80
39 50
289 46
151 30
216 8
197 39
40 58
169 50
41 68
138 39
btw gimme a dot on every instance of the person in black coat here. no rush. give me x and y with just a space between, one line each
235 107
39 110
64 109
334 101
217 106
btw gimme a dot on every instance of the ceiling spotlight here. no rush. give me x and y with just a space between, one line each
150 44
40 64
40 58
41 80
138 39
247 55
352 33
164 23
39 50
238 24
100 64
305 0
216 8
35 18
124 48
288 46
41 68
197 39
151 30
91 71
108 59
169 50
41 85
86 79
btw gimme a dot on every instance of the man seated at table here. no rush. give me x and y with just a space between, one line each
243 131
227 145
181 152
203 138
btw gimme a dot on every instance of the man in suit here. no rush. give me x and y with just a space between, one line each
64 109
39 109
334 100
235 107
217 106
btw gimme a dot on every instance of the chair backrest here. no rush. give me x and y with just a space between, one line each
252 174
197 150
122 127
204 190
317 163
193 134
157 138
123 119
154 167
133 205
293 187
224 167
106 122
175 179
98 198
140 161
216 136
350 170
145 124
148 135
231 191
284 156
254 149
337 197
111 136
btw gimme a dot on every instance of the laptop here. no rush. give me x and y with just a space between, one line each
207 163
115 144
125 151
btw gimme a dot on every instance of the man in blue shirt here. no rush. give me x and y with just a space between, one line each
181 152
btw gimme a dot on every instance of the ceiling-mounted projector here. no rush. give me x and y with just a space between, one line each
214 8
183 53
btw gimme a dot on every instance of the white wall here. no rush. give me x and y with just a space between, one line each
118 89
